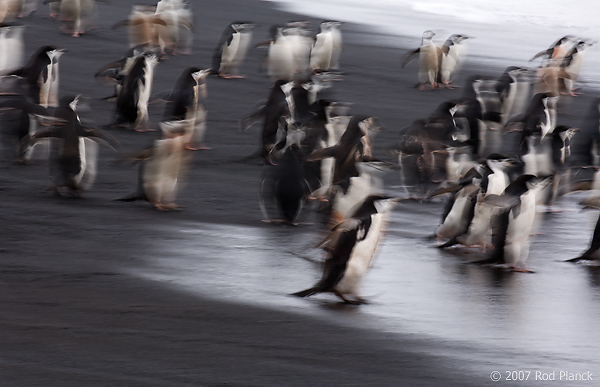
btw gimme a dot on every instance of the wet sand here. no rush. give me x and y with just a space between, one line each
72 312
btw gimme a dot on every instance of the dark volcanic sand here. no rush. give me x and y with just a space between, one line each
73 316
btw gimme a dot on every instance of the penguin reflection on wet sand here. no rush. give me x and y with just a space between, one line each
351 246
72 158
163 167
231 49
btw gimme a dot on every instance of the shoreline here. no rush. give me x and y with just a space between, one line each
74 315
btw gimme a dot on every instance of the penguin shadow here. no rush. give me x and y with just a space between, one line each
337 305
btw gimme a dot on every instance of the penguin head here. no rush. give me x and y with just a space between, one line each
428 35
368 124
242 26
199 74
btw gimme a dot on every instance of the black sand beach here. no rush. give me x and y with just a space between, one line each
73 316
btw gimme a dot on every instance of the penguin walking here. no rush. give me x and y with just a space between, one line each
142 23
132 101
428 61
515 222
326 50
593 252
163 167
231 49
117 71
78 16
285 185
280 58
557 51
73 160
16 111
351 246
186 102
571 66
450 57
494 181
42 74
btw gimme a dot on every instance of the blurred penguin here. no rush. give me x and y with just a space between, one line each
73 158
285 186
163 167
142 24
325 54
187 102
571 66
351 246
78 16
450 58
132 101
516 222
231 49
428 61
11 48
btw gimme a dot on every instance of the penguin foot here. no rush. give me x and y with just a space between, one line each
354 301
167 207
195 148
520 269
231 76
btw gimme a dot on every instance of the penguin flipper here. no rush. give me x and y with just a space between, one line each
410 57
321 154
101 137
450 189
451 242
542 53
582 257
502 201
308 292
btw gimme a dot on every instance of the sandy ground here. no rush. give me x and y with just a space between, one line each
72 316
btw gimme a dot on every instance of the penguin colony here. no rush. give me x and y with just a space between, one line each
495 153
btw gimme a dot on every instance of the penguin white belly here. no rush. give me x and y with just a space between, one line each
162 170
83 163
45 86
301 49
322 52
455 220
519 229
478 229
360 258
90 150
345 204
243 46
281 61
145 89
336 36
229 53
448 64
428 64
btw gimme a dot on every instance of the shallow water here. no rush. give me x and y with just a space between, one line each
544 322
